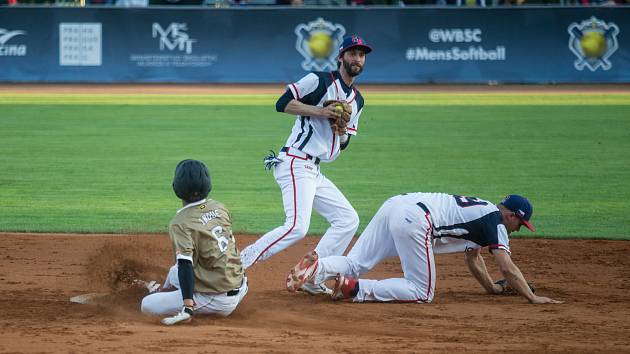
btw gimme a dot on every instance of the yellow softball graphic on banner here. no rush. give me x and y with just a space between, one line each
318 41
593 44
320 45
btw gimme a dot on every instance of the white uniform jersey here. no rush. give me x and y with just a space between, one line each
314 135
457 218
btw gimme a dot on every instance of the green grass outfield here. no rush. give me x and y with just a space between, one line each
104 163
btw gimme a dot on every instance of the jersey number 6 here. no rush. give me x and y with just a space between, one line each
221 240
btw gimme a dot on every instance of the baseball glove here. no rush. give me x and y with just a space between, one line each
339 124
508 290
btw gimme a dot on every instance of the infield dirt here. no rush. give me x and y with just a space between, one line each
40 272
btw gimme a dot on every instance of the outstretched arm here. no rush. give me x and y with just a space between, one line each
511 272
477 268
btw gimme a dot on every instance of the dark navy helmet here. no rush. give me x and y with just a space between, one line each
191 182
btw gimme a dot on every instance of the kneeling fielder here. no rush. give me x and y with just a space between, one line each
414 227
208 273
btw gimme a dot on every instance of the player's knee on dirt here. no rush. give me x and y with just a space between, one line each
160 304
420 292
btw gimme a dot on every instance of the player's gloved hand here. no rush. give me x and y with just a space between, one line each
184 316
152 286
340 113
508 290
271 160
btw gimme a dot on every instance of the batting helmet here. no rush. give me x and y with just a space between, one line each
192 181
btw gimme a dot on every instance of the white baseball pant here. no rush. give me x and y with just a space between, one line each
167 303
305 188
401 229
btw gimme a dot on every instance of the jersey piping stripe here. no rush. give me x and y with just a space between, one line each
424 207
426 245
332 77
301 132
353 97
294 214
427 216
297 93
308 136
332 148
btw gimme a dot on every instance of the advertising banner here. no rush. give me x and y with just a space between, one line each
271 45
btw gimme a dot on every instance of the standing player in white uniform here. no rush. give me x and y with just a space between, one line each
297 170
413 227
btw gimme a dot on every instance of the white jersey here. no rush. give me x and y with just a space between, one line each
313 135
463 218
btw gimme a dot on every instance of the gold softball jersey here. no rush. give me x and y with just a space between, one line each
201 232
